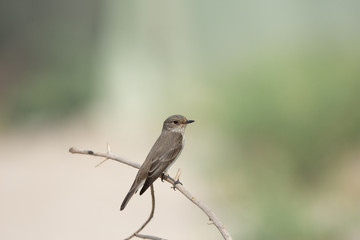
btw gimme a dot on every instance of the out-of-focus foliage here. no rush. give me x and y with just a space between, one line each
291 117
47 58
304 103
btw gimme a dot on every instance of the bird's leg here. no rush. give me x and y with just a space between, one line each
165 175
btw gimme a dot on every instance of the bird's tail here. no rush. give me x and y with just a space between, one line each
127 199
136 185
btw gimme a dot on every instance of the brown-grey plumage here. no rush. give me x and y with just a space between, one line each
161 156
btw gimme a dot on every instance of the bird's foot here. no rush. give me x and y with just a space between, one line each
165 176
175 183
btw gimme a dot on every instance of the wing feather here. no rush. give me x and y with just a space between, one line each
162 157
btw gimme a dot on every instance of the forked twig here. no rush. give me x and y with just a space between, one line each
212 217
148 220
108 152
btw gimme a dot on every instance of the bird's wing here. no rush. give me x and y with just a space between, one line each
171 149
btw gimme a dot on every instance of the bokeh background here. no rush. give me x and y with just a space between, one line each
274 87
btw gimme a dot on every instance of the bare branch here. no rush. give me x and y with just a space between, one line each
148 237
108 152
105 155
150 217
213 218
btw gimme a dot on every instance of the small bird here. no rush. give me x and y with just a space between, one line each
162 155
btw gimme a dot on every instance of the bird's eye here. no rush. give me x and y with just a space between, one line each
176 122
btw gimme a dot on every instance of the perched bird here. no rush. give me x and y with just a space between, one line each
162 155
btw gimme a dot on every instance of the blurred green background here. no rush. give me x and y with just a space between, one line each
274 87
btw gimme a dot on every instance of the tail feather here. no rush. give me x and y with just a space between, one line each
136 185
147 184
127 199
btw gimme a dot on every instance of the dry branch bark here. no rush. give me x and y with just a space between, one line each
212 217
148 220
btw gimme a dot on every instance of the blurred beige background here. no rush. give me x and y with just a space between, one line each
274 88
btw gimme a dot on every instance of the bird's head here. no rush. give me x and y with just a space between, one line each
176 123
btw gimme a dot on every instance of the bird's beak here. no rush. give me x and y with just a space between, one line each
189 121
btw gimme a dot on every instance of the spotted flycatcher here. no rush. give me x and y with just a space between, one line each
162 155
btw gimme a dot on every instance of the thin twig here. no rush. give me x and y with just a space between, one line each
150 217
221 227
108 152
148 237
105 155
177 176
